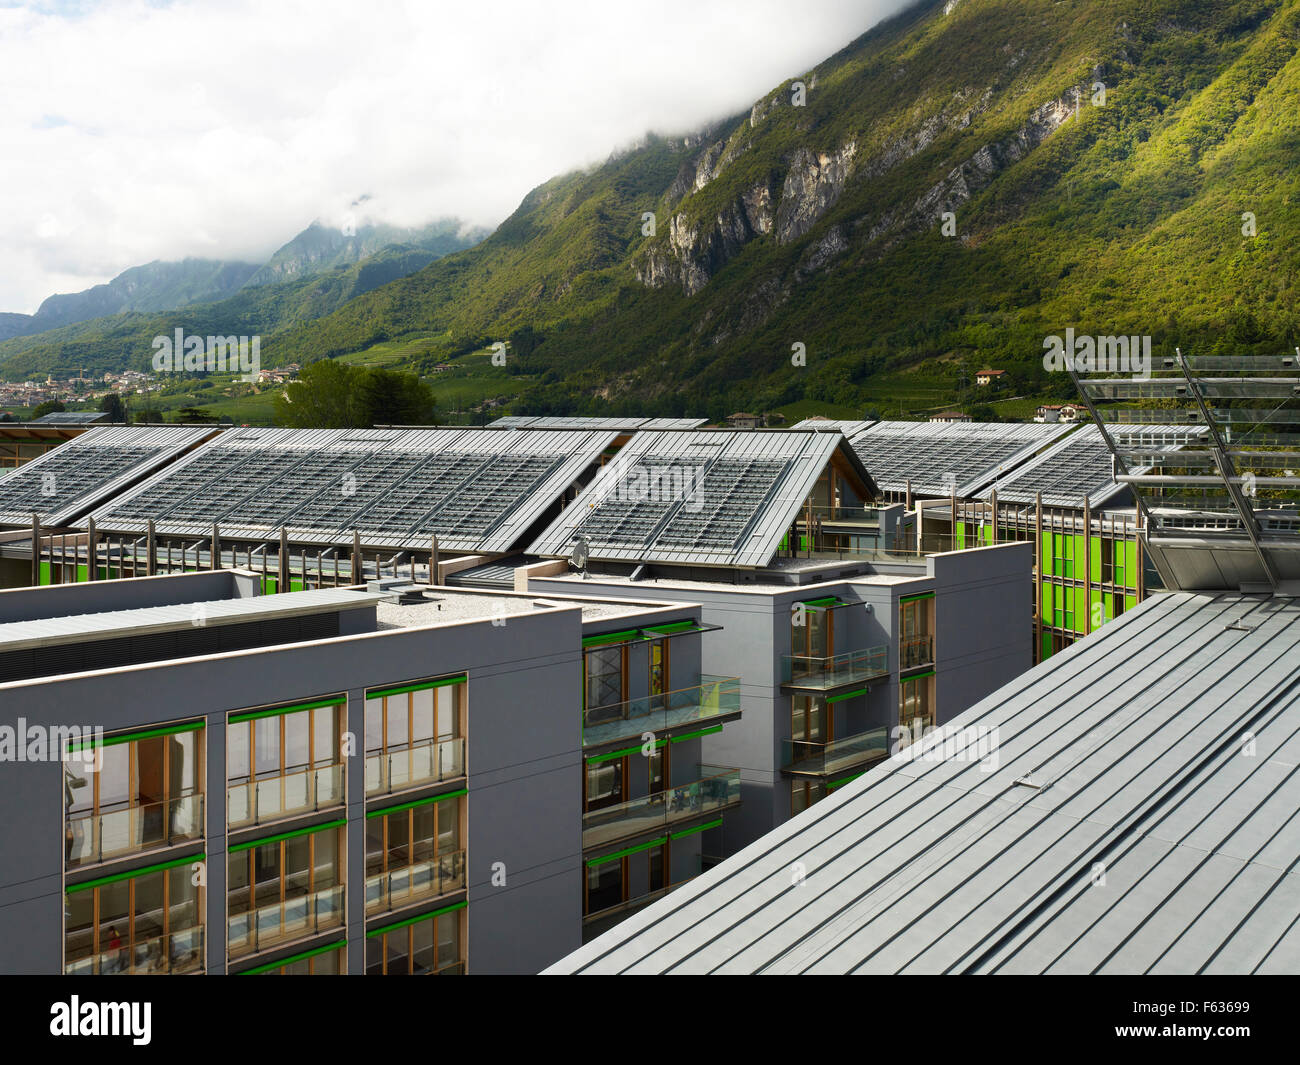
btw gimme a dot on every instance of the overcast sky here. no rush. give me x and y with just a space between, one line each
135 131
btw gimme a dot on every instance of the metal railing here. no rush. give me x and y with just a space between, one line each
276 922
712 697
811 672
916 651
440 875
177 952
95 837
714 791
255 801
420 763
822 759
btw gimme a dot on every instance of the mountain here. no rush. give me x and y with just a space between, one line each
319 247
317 285
823 225
156 286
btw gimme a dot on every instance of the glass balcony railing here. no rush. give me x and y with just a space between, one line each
277 922
179 952
712 697
440 875
811 673
716 790
420 763
916 651
304 791
824 759
115 833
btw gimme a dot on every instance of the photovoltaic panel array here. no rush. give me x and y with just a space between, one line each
704 497
1079 469
940 458
67 482
476 489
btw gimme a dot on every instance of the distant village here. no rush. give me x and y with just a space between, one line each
90 389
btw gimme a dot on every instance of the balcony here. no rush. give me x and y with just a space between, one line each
914 651
807 673
826 759
279 922
180 952
421 880
713 697
429 762
113 834
716 790
255 802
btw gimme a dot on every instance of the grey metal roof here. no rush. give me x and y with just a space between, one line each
1157 840
704 497
71 417
477 489
1079 468
526 421
79 628
846 426
69 480
940 458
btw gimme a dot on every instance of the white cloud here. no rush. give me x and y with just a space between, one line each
135 131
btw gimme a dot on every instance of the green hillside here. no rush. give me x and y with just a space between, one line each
822 225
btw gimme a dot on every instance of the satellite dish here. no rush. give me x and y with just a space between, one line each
581 552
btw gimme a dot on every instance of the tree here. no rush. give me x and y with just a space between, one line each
389 397
113 406
50 406
194 414
323 397
148 416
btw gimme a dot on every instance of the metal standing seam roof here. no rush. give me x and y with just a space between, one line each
1079 470
477 489
940 458
80 628
71 479
846 426
525 421
1126 827
733 499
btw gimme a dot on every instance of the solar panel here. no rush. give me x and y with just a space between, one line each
471 487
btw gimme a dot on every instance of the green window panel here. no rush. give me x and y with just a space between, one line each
1094 559
1045 562
1049 592
1080 610
1046 650
1130 601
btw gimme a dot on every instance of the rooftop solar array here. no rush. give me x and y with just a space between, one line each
941 458
625 425
848 428
476 489
65 483
705 497
1123 753
1079 469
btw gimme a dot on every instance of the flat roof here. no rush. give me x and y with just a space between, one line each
1142 815
114 624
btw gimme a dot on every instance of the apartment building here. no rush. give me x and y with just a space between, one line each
371 780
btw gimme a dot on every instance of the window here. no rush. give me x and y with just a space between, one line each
431 946
332 961
148 922
659 681
657 870
414 854
916 711
604 683
415 737
283 763
803 793
604 783
138 793
810 727
916 635
605 885
658 771
283 888
815 638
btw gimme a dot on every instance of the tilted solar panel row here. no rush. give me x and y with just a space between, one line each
66 474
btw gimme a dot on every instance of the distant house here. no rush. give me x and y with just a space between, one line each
987 377
741 420
950 416
443 367
774 418
1057 412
